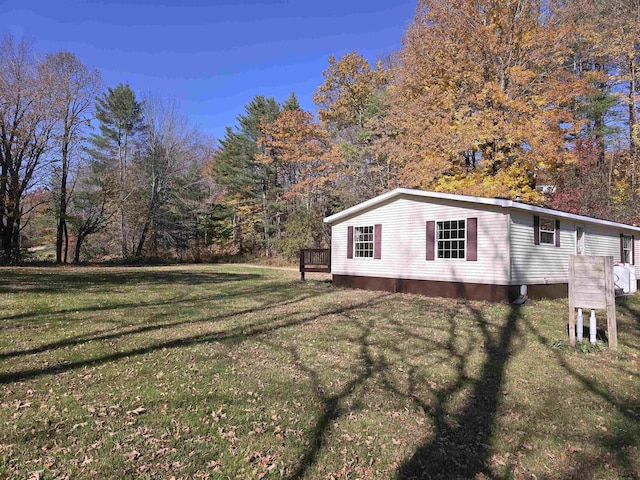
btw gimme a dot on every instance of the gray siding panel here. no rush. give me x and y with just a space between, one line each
541 264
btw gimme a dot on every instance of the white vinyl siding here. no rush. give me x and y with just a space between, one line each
600 240
539 264
403 244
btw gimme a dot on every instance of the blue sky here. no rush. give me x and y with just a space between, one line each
212 57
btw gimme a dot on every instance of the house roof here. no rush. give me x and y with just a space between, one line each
474 200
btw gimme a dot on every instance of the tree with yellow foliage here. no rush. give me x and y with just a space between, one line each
352 106
298 148
481 97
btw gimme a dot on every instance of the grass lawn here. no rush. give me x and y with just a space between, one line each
239 372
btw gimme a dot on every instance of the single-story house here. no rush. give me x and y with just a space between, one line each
448 245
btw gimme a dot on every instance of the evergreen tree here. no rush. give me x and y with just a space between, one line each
291 103
242 168
167 171
121 121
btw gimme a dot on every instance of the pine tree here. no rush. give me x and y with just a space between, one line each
240 168
291 103
120 117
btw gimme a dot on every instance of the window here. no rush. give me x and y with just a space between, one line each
547 231
627 249
579 240
451 239
363 241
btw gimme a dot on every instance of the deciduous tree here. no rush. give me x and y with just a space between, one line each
481 97
119 114
352 107
167 172
27 119
250 182
74 88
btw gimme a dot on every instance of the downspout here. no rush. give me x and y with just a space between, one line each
509 246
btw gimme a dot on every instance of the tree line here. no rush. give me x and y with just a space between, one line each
518 98
97 173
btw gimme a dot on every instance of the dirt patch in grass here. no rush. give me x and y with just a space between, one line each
238 372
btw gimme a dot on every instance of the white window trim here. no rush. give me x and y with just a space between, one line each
373 242
466 243
553 232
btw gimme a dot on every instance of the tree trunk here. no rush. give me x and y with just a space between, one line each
79 242
66 243
237 232
633 126
11 240
62 213
143 237
265 210
122 158
15 254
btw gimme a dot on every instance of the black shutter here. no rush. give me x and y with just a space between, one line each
536 230
472 239
377 241
622 247
349 242
633 249
557 235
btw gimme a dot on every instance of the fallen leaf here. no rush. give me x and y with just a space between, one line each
137 411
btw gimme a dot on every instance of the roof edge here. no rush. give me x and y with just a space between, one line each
504 203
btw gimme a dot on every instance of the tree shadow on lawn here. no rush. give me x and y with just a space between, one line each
458 450
330 409
273 288
277 293
461 449
619 440
57 281
461 445
238 333
629 306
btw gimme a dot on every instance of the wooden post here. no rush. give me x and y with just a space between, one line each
302 265
572 301
612 329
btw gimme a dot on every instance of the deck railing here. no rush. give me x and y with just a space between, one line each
315 260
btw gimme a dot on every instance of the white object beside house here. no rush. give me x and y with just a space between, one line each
449 245
633 279
621 277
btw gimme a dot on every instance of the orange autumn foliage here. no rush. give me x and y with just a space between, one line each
480 102
299 149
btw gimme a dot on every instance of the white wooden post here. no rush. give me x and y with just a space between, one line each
580 325
592 327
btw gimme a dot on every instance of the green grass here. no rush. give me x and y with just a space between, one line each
238 372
